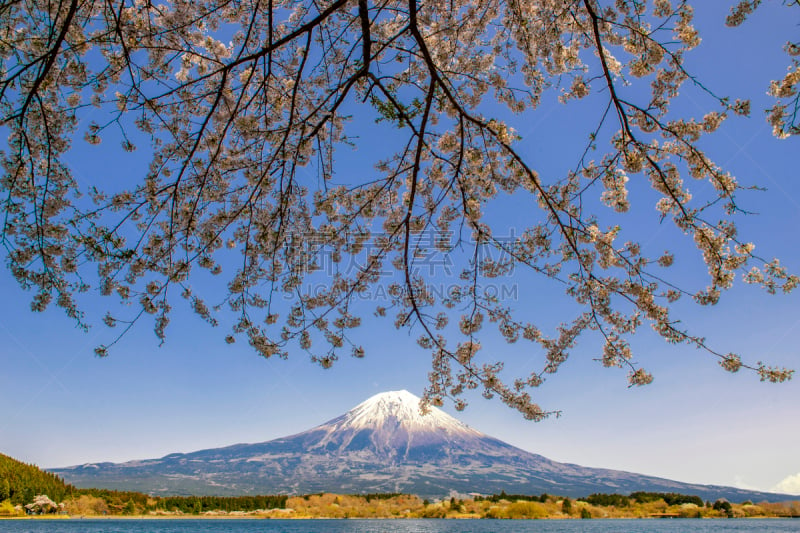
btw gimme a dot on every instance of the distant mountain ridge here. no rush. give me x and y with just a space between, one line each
382 445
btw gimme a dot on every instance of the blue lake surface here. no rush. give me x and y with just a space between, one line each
400 526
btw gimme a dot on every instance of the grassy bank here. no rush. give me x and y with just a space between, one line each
334 506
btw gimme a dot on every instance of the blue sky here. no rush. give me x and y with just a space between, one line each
696 423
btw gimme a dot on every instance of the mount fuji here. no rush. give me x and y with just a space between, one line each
382 445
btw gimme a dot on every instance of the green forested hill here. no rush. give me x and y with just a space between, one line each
20 482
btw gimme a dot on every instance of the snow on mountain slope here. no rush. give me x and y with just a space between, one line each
390 423
401 409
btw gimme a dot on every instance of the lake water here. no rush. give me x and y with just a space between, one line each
399 526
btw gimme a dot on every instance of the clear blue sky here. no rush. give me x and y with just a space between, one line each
695 423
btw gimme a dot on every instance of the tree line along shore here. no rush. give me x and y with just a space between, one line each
26 490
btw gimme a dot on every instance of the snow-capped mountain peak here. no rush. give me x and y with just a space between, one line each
383 444
399 409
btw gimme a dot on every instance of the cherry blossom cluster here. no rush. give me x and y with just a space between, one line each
241 109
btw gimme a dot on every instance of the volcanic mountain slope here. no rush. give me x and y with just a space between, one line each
382 445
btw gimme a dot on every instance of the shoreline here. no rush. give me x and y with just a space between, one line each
262 517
